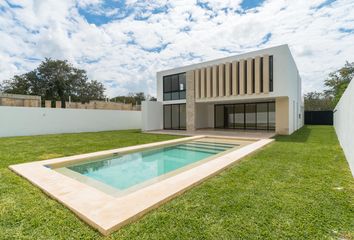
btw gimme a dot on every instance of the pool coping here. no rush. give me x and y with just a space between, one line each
107 213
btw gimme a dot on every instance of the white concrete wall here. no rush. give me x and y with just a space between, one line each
23 121
344 124
287 83
152 115
285 75
294 92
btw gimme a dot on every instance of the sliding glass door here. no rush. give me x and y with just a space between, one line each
229 116
239 116
219 116
250 120
271 116
167 117
260 116
174 116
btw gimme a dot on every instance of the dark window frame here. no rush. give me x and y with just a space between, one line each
271 80
224 79
245 77
230 79
238 78
253 76
244 115
179 117
171 92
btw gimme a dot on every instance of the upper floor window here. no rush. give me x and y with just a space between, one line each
174 87
270 72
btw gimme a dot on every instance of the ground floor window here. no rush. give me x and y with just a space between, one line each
174 116
260 116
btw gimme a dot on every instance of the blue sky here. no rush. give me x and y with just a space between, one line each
122 43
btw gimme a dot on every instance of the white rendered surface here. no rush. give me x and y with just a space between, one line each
23 121
287 83
344 124
152 115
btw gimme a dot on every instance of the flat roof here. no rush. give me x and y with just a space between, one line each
225 59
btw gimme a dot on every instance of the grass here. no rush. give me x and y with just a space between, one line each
299 187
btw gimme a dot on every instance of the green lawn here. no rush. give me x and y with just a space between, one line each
299 187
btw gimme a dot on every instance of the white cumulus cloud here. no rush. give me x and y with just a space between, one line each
142 37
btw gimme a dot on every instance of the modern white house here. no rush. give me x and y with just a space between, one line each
259 90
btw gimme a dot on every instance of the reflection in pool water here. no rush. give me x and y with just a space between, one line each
122 172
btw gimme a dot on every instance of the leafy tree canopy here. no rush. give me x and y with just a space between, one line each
317 101
338 81
134 98
56 80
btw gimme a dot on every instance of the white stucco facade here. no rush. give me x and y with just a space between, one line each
343 123
25 121
152 115
286 87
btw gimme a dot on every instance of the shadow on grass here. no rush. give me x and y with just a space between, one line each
300 136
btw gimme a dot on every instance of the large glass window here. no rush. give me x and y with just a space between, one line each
174 87
261 73
271 116
250 112
246 116
174 116
175 96
182 116
262 116
219 116
229 116
174 83
167 84
245 77
271 73
253 76
182 82
167 116
239 116
238 78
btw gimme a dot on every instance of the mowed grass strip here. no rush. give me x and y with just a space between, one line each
299 187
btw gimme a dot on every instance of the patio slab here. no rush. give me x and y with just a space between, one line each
248 134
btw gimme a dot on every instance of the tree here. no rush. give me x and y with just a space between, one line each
338 81
56 80
134 98
151 98
316 101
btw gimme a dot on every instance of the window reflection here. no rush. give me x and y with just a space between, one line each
245 116
174 87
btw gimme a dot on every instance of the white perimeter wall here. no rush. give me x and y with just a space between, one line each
152 115
23 121
344 124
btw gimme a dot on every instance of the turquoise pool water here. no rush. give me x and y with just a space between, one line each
125 171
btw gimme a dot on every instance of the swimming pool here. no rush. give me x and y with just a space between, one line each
124 171
111 188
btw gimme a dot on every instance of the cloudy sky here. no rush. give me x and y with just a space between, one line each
122 43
